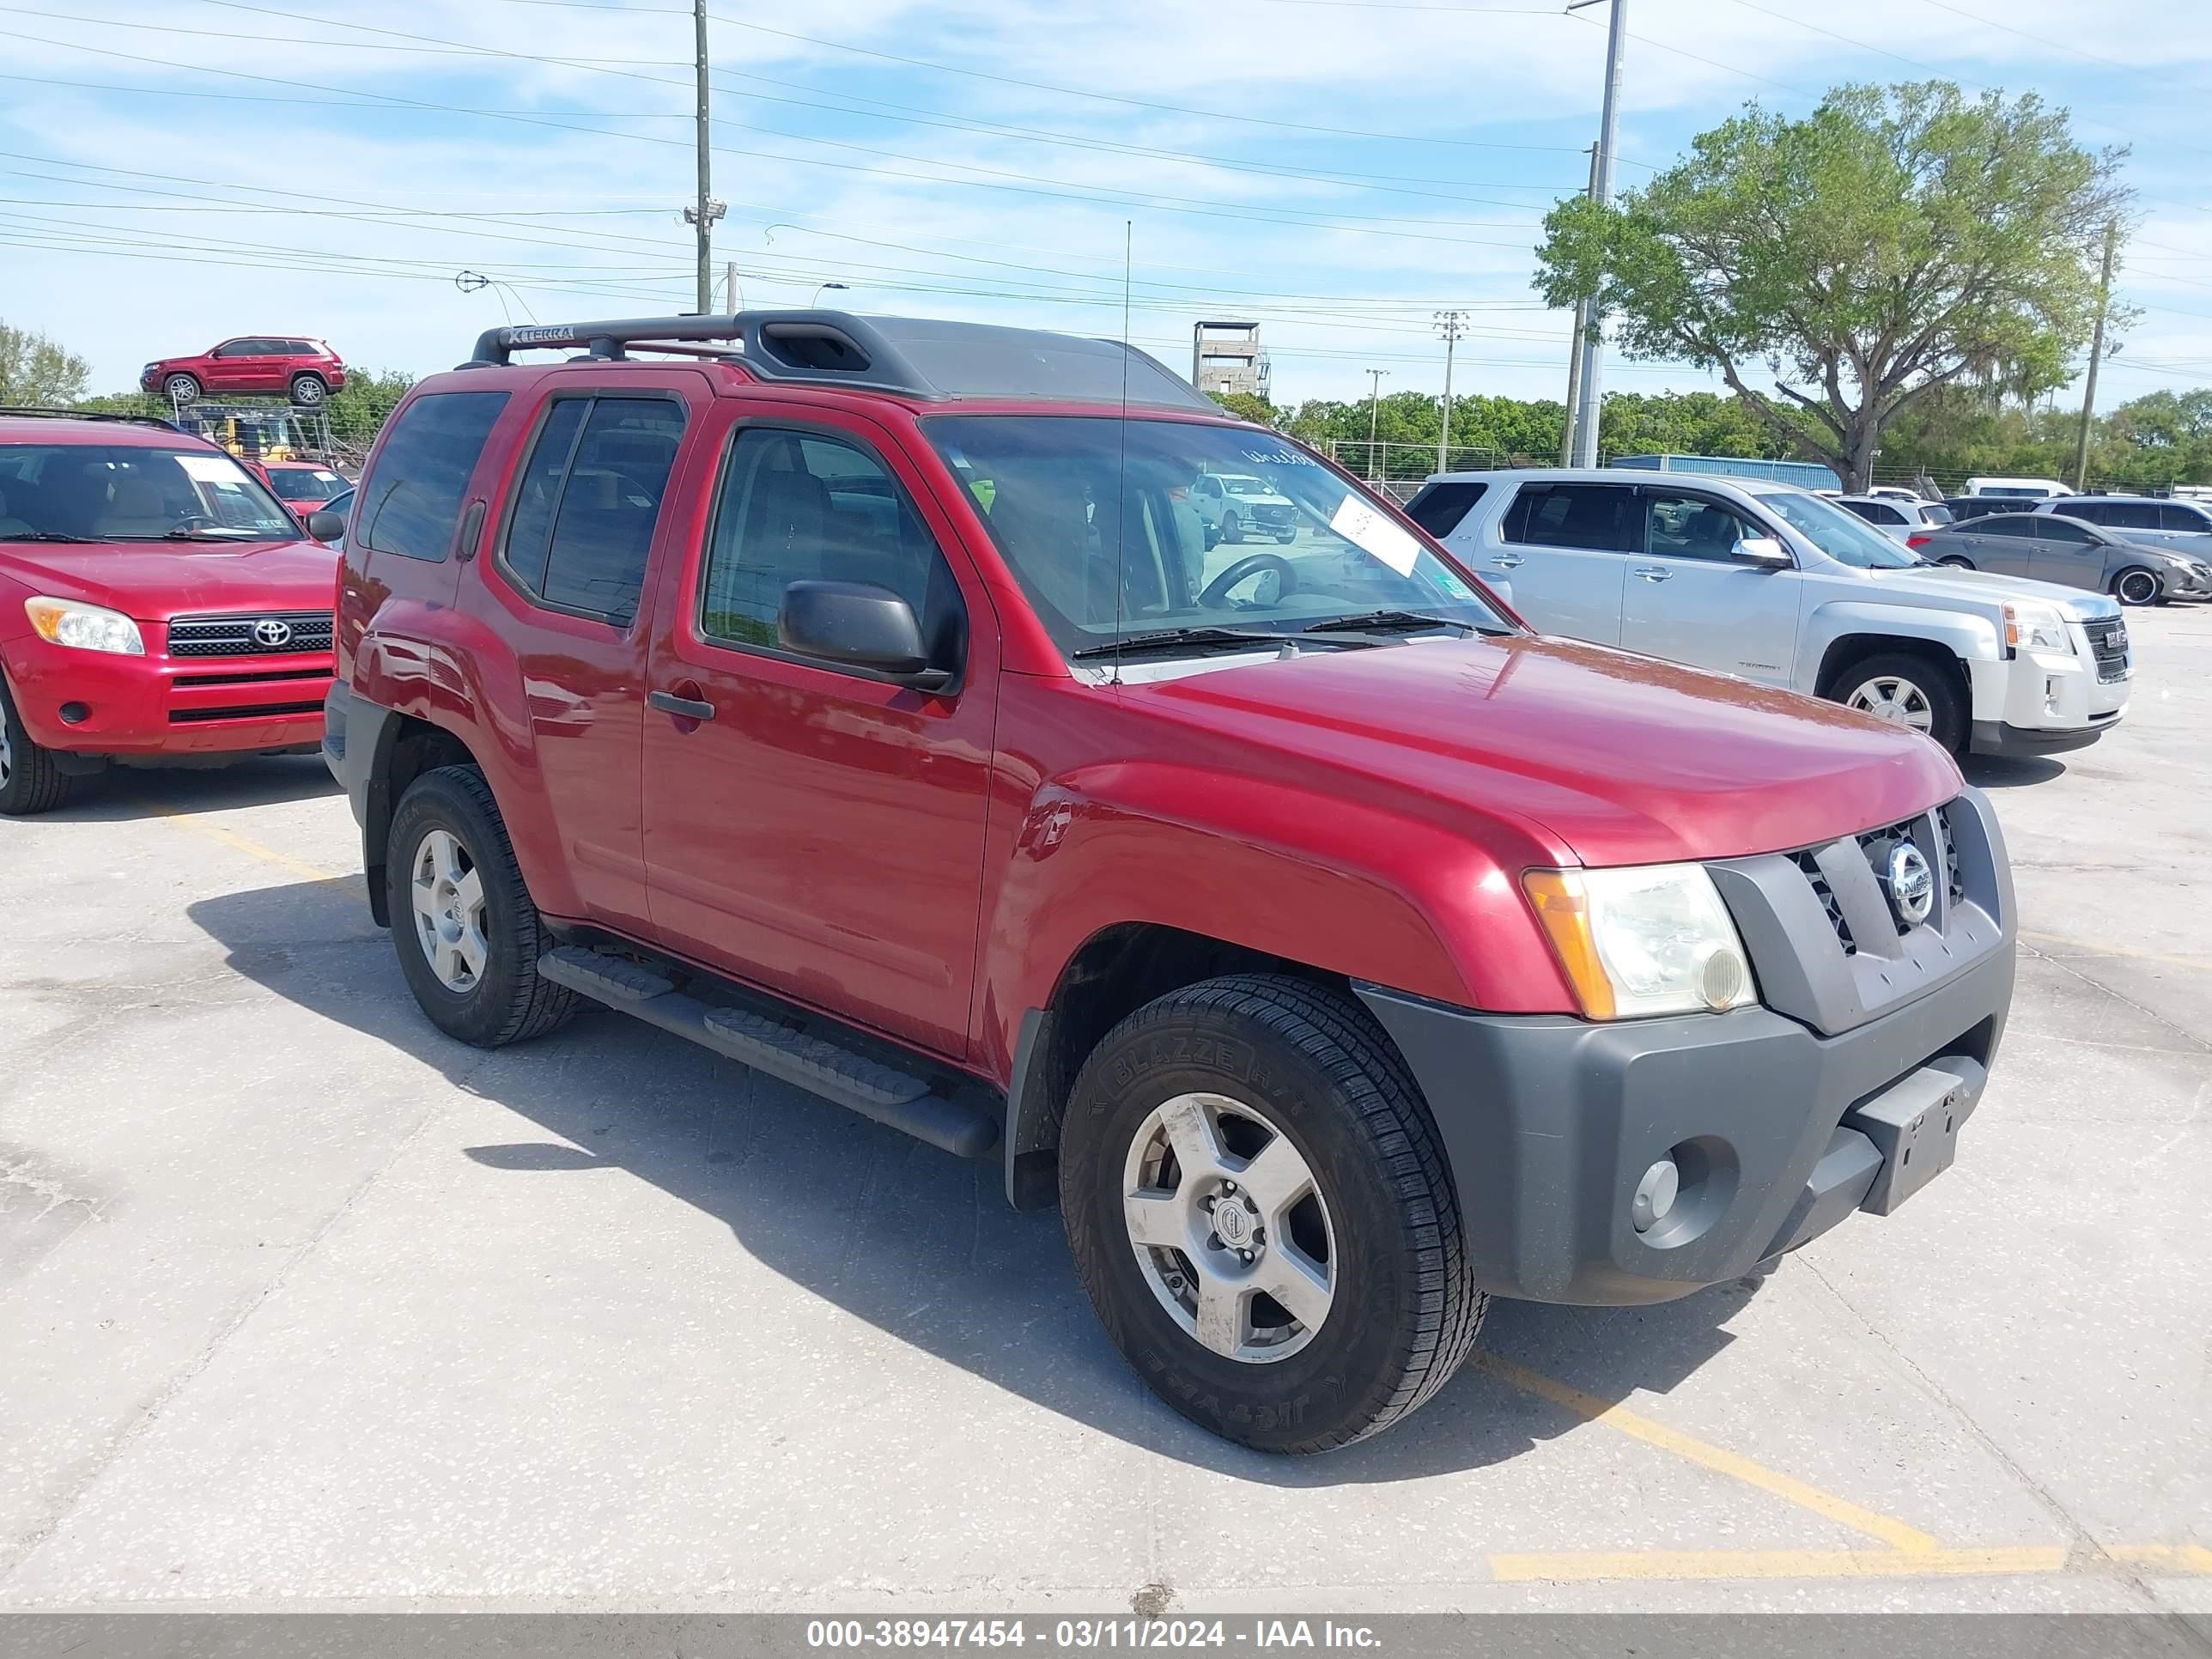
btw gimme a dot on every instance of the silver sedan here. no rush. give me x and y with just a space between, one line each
2052 548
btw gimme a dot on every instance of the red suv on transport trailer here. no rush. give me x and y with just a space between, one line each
859 698
276 365
156 602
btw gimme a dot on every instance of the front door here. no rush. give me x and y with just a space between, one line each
2069 553
1565 548
1688 600
809 828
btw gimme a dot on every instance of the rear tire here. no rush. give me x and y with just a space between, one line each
30 781
1231 531
1907 690
2136 586
308 391
1366 1228
1957 563
468 935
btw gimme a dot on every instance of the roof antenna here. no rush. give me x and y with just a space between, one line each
1122 489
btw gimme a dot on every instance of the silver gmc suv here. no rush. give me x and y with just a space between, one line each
1774 584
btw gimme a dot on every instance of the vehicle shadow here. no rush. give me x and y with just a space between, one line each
2009 771
133 792
920 1244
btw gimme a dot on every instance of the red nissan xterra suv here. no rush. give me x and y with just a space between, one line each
156 603
289 365
859 698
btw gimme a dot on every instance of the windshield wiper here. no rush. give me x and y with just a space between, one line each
1177 639
182 534
48 536
1385 622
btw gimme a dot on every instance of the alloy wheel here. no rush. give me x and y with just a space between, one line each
1230 1228
2138 587
7 754
450 920
1892 697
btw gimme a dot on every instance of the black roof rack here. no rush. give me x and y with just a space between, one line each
919 357
53 414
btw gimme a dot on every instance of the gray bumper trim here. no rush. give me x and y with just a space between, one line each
1995 738
1549 1123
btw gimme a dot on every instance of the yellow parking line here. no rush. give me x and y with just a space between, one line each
2100 948
1570 1566
1593 1409
2170 1557
242 844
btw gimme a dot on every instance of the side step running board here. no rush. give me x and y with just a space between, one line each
898 1099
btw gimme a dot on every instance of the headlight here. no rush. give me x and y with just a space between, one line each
1648 940
85 627
2032 625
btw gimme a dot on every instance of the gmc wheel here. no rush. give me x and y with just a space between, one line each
1906 691
308 389
181 388
1258 1204
468 936
29 781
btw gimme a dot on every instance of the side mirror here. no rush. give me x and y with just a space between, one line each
325 525
859 625
1763 553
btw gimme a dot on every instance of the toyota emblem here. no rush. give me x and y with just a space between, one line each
272 632
1911 885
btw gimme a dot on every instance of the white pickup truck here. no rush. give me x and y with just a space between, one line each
1772 583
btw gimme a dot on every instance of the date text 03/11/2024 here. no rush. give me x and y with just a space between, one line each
1085 1634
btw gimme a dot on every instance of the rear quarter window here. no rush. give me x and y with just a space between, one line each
1438 507
410 502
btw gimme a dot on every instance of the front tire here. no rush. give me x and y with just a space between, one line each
468 935
1907 690
181 388
2136 586
30 781
1257 1203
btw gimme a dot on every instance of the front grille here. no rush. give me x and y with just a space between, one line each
2108 643
1827 895
1876 847
235 636
259 711
278 676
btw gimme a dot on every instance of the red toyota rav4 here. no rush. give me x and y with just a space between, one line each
308 370
156 601
859 698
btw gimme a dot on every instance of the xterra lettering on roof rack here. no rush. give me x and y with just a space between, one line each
917 357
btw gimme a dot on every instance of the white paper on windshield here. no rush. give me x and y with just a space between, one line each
209 469
1372 532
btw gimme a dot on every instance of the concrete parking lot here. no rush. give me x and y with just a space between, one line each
302 1305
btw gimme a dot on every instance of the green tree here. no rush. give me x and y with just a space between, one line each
34 371
1246 407
1892 242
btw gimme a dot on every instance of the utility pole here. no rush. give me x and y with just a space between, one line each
1374 410
730 284
2096 351
1590 394
1449 325
1574 348
703 212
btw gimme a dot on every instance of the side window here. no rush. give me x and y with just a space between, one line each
2007 525
805 507
1603 517
1209 486
2176 515
410 501
1438 507
2125 516
585 507
2057 530
1691 528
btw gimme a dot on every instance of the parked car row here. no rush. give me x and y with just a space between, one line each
870 705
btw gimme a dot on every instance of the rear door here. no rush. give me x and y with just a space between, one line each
2068 554
2186 527
1688 600
808 827
2003 542
1566 549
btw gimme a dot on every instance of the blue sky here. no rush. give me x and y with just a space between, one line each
172 171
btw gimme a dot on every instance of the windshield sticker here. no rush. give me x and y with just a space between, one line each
208 469
1372 534
1453 586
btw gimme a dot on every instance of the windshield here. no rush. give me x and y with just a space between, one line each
314 484
1245 487
131 493
1840 534
1072 499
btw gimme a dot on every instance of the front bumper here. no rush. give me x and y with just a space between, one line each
2063 697
1782 1118
94 704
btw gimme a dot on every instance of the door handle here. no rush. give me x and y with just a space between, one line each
1654 573
1508 562
691 708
